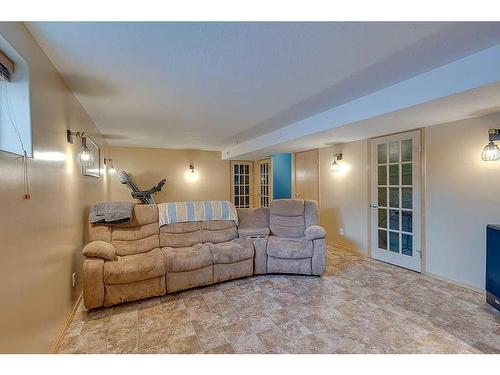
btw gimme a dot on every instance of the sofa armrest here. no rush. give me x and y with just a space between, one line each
100 249
253 232
314 232
93 282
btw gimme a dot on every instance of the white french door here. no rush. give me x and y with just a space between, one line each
265 193
241 184
395 200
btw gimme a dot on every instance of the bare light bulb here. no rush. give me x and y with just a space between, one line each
491 152
191 175
85 157
111 170
335 168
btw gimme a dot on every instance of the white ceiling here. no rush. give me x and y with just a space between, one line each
207 85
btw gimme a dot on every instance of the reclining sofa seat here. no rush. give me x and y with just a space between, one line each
124 262
204 252
136 260
297 243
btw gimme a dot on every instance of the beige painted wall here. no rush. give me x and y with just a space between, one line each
462 198
343 196
42 238
148 165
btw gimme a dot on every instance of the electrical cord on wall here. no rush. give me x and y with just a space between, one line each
24 157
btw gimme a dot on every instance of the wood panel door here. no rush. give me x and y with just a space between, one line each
307 175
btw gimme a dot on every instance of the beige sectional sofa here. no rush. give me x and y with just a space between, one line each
139 259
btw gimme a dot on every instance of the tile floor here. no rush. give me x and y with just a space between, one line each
358 306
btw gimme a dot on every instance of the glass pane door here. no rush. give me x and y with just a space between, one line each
241 184
264 183
396 199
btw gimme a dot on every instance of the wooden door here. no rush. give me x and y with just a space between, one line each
307 175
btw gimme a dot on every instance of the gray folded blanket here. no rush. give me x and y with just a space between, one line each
111 212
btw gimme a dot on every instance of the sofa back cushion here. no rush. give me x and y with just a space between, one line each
251 218
180 234
216 231
311 212
140 235
287 218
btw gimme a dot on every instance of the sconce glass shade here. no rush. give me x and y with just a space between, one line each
85 157
191 175
491 152
335 168
111 170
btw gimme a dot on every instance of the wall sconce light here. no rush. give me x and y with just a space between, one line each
84 156
491 151
109 166
335 167
191 173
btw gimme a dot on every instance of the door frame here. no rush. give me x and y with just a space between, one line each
422 192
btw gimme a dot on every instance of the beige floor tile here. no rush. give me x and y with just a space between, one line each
236 330
177 304
359 306
248 344
314 323
184 345
272 338
286 349
153 339
416 348
212 339
490 343
224 349
294 329
279 316
313 344
340 344
442 342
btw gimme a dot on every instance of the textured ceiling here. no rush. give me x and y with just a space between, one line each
207 85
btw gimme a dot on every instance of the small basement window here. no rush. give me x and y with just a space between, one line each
15 118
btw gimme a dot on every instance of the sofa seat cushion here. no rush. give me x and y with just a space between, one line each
253 232
233 251
289 248
137 267
190 258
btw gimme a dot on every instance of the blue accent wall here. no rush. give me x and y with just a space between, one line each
282 176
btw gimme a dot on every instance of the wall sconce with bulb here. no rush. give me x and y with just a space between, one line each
84 156
109 166
336 167
191 174
491 151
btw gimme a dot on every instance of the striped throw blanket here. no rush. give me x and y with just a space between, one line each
181 212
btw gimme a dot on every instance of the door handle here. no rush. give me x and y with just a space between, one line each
374 205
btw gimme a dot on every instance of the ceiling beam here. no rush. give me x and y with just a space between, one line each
468 73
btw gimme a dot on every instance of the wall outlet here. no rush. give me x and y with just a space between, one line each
341 231
73 279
